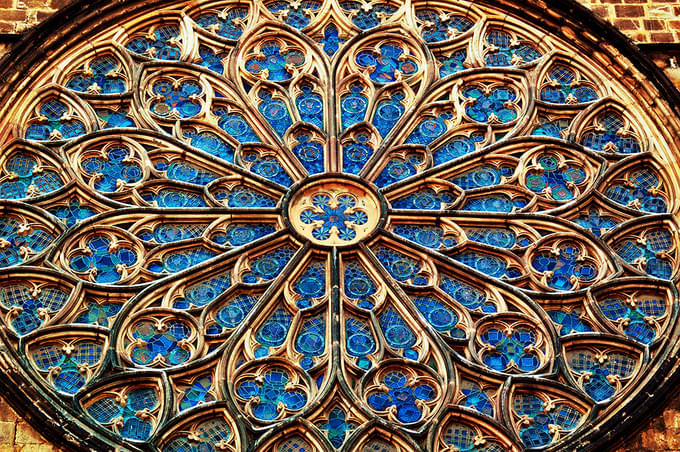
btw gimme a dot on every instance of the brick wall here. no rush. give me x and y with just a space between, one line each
17 16
644 21
18 436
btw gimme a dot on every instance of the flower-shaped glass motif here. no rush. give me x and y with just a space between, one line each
337 427
103 259
180 101
509 348
334 216
273 63
164 343
494 105
269 393
565 266
100 76
558 179
407 396
388 65
344 225
54 123
112 169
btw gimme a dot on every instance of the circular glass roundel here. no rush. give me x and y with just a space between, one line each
324 225
334 212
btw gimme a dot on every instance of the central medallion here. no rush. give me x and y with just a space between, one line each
334 211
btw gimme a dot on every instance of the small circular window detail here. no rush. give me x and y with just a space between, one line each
334 212
328 225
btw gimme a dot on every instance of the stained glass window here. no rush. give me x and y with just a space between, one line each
334 225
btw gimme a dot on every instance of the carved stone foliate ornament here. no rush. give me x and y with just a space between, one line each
334 225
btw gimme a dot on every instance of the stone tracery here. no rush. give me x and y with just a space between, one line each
450 222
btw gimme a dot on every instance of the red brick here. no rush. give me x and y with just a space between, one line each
626 24
654 25
602 11
662 37
629 11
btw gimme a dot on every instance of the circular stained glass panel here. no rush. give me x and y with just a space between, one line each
320 225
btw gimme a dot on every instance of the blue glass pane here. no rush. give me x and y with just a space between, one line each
353 105
212 144
360 342
295 13
100 77
164 45
311 284
275 112
229 24
441 27
387 64
452 64
456 147
610 136
355 154
425 199
235 125
310 153
399 168
310 106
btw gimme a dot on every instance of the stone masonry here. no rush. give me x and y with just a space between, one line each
644 21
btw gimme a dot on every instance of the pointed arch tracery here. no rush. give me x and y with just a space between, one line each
336 225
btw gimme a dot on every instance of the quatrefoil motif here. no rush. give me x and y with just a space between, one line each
389 65
490 104
335 215
403 394
271 393
367 221
176 99
104 259
555 177
275 61
566 265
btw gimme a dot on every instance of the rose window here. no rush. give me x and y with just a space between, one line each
322 225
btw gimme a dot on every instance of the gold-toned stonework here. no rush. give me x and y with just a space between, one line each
334 211
363 225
